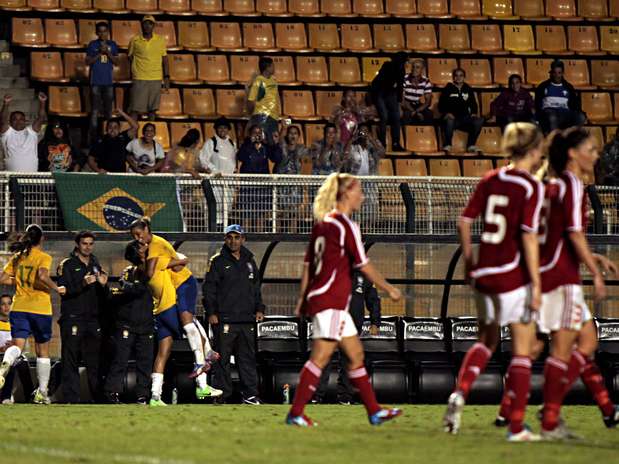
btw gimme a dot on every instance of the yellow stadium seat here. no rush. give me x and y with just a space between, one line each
476 167
313 133
411 167
208 7
242 67
119 98
486 100
616 106
422 38
276 8
309 8
530 10
199 103
369 8
179 129
240 7
170 106
183 69
519 39
340 8
455 38
596 10
385 167
78 6
357 38
489 140
487 39
326 101
584 40
597 106
162 136
610 39
440 70
537 70
551 39
577 73
597 135
123 31
51 6
505 67
259 37
110 6
87 30
122 70
143 6
299 104
402 8
193 36
564 10
167 30
47 67
61 33
498 9
467 9
478 72
75 67
230 102
605 73
14 5
291 37
422 140
371 66
176 7
445 168
389 37
325 38
65 101
213 69
28 32
313 70
345 71
613 8
501 163
284 70
611 132
227 37
433 8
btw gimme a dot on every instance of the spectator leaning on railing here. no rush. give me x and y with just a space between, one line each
109 153
218 154
144 154
362 153
183 158
327 153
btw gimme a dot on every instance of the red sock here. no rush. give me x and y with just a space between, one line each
506 401
592 377
474 363
574 369
555 378
308 379
519 373
360 380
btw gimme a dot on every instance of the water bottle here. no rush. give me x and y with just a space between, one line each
174 395
286 393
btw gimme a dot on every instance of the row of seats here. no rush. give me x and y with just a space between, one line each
349 71
330 37
566 10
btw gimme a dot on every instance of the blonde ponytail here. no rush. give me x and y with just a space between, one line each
330 192
519 138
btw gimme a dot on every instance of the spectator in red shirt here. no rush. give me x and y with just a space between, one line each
513 104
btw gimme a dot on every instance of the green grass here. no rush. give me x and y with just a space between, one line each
246 434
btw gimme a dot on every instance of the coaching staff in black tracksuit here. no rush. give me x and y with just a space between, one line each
134 328
233 304
364 295
80 330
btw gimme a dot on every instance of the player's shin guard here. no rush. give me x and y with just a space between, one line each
592 378
11 355
195 342
308 379
360 380
574 369
474 363
156 385
44 368
207 342
519 373
555 378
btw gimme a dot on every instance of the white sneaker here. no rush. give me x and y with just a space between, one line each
453 415
560 433
524 435
4 370
473 149
8 401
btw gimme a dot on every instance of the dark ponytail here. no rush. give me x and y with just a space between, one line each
21 244
560 143
142 223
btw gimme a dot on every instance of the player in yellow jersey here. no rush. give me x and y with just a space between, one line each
31 313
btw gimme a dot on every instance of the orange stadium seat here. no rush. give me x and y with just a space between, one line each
577 73
179 129
411 167
193 36
272 8
345 71
445 168
584 40
122 70
176 7
402 8
440 70
385 167
530 10
65 101
498 9
167 30
433 8
242 67
313 70
610 39
326 101
597 106
87 30
78 6
605 73
422 38
357 38
551 40
478 72
143 6
459 146
422 140
611 131
183 69
208 7
61 33
305 8
597 135
617 106
50 6
119 98
240 7
389 37
230 102
284 70
455 38
505 67
476 167
213 69
123 31
537 70
110 6
299 104
227 37
28 32
259 37
14 5
341 8
487 39
292 37
47 67
162 136
369 8
467 9
519 39
614 8
325 37
501 163
170 106
594 9
489 140
486 100
564 10
313 133
371 66
75 67
199 103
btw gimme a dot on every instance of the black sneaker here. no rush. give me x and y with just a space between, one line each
612 420
253 400
112 398
142 400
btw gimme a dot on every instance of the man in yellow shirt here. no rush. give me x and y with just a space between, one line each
149 66
263 100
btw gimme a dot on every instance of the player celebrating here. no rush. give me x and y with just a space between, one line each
572 156
31 313
505 277
335 249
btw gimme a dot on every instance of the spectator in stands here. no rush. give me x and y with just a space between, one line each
101 56
609 163
327 153
256 152
149 66
233 303
183 158
263 100
218 154
109 153
293 151
347 115
19 141
362 153
417 95
458 108
386 92
514 104
144 154
56 152
557 103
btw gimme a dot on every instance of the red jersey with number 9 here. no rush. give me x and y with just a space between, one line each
510 201
334 250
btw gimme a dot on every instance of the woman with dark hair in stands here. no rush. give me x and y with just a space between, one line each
327 153
144 154
184 157
56 152
514 104
348 115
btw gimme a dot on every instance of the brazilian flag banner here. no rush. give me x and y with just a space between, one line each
112 202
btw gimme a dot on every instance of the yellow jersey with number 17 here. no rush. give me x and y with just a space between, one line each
164 292
29 299
159 247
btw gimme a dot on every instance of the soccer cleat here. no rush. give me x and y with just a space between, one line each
501 421
560 433
612 420
142 400
156 402
453 415
208 392
4 370
524 435
384 415
300 421
40 397
253 400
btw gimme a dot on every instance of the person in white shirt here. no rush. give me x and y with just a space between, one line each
144 154
19 141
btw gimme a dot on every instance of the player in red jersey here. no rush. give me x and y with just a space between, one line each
505 276
564 313
335 249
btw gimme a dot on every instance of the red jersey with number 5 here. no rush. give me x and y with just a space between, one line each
334 250
564 212
510 201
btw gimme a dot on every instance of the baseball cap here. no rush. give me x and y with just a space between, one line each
150 18
234 229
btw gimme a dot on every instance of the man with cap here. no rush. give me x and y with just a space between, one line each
149 67
233 303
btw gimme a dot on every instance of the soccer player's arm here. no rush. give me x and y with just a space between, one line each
251 95
471 212
43 275
7 275
209 289
530 242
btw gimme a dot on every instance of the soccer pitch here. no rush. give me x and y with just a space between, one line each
187 434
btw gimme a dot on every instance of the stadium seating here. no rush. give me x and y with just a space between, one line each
422 38
605 73
444 167
324 37
357 38
551 40
345 71
389 37
291 37
183 69
167 30
326 101
486 38
440 70
50 6
179 129
455 38
65 101
577 73
610 39
194 36
410 167
123 31
259 37
170 106
143 6
75 67
478 73
486 99
230 102
313 133
87 30
498 9
227 37
313 70
162 135
434 8
176 7
309 8
593 9
240 7
476 167
530 10
422 140
339 8
122 71
284 71
47 67
584 40
385 167
199 103
298 104
469 10
28 32
489 140
597 106
369 8
371 67
505 67
110 6
208 7
537 70
564 10
78 6
214 69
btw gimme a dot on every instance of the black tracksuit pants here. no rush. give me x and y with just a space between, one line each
81 341
126 342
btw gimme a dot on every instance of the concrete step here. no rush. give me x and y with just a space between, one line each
10 70
6 58
4 46
18 94
14 83
26 106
